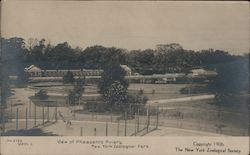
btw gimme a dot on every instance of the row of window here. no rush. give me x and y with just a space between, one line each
62 73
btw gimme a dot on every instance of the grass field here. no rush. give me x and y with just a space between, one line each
153 91
193 111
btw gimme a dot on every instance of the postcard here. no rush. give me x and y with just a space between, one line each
124 77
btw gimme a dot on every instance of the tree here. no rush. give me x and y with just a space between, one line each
91 57
4 86
232 78
31 43
75 94
168 47
37 51
142 61
211 56
112 72
12 53
68 77
115 97
99 56
113 85
231 82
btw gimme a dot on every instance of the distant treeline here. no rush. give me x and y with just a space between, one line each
165 58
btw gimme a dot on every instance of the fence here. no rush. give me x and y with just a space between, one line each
137 122
208 120
192 118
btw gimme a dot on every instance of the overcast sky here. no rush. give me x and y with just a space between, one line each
131 25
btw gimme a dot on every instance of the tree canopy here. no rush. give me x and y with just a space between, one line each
165 58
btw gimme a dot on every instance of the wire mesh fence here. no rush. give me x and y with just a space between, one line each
137 122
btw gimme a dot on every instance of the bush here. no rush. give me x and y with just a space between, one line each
42 94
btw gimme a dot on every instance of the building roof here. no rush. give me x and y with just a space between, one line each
32 68
201 71
125 67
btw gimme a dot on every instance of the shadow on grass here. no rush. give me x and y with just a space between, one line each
51 101
144 131
30 132
46 124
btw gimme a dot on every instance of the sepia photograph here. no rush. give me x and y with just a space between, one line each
124 68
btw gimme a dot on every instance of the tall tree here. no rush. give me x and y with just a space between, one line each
112 72
113 83
115 97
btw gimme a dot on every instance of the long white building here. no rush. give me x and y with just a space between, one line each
36 74
34 71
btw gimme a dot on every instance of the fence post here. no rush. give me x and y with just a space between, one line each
231 129
47 112
93 107
92 112
29 108
3 121
17 119
74 113
243 132
43 114
11 110
118 126
157 117
56 113
26 118
138 120
111 115
130 112
35 114
106 127
135 124
81 132
148 113
205 125
125 132
177 118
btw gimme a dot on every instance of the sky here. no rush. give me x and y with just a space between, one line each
131 25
